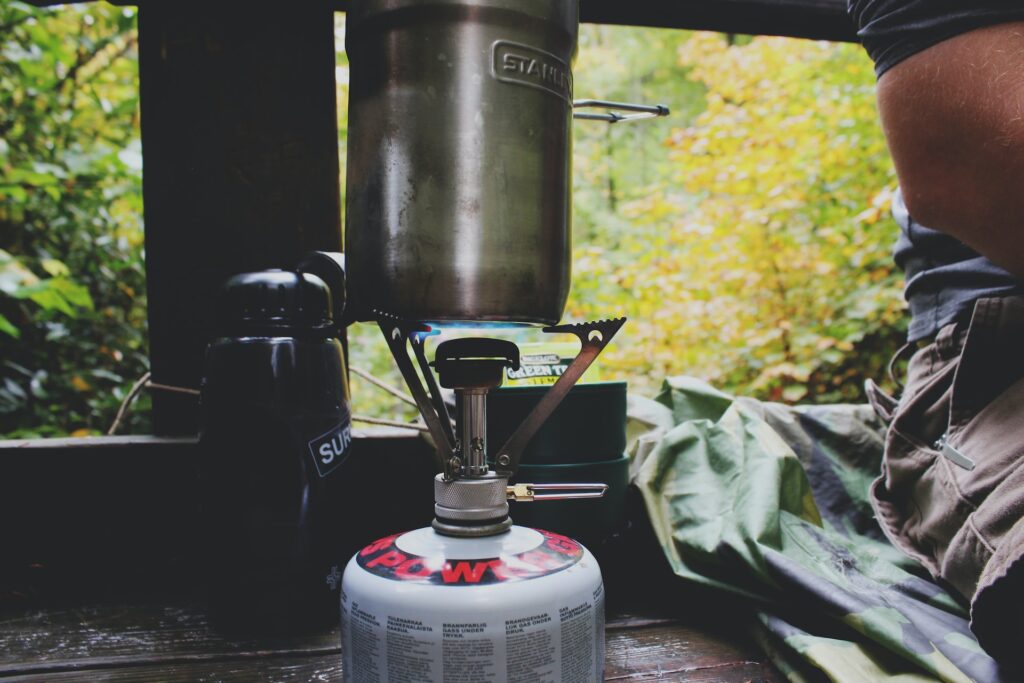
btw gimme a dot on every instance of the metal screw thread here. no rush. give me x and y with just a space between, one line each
468 503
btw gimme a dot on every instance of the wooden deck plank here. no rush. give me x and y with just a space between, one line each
112 635
265 669
320 669
176 642
684 652
327 669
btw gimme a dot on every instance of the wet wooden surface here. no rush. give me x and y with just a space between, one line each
176 643
101 574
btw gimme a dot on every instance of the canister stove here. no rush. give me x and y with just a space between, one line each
474 597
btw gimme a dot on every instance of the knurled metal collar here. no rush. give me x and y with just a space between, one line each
471 499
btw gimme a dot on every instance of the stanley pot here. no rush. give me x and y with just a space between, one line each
459 151
459 158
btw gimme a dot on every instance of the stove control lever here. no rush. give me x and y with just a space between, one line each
527 493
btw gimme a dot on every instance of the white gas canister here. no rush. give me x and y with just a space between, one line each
521 606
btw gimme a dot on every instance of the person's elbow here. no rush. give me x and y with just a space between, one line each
956 132
977 197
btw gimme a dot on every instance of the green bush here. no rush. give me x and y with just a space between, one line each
72 284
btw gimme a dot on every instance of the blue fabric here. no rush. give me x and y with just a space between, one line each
892 30
944 277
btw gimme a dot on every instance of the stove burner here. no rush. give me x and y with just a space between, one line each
470 497
474 362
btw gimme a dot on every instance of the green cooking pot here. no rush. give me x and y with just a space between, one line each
589 425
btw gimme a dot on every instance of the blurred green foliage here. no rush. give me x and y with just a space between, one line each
746 236
72 285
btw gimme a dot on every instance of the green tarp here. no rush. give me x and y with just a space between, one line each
771 502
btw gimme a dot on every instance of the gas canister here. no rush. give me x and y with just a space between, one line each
523 605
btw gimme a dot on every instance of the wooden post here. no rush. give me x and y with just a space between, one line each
240 142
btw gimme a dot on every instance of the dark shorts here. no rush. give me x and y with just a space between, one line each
951 493
893 30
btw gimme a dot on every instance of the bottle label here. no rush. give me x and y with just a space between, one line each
554 553
331 448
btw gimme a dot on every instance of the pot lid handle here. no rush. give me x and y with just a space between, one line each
611 115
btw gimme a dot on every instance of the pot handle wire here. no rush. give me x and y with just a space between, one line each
612 109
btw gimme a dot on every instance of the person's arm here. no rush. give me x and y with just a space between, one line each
954 118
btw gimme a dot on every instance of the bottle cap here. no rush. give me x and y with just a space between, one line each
275 303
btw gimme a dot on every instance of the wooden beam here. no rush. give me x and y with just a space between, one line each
817 19
240 141
87 516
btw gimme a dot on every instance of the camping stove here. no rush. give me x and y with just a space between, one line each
471 498
474 597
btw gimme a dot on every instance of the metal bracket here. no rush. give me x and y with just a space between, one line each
593 336
398 333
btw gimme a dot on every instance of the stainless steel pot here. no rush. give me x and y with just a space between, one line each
459 149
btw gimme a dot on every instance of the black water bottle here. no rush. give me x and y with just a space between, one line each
276 446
